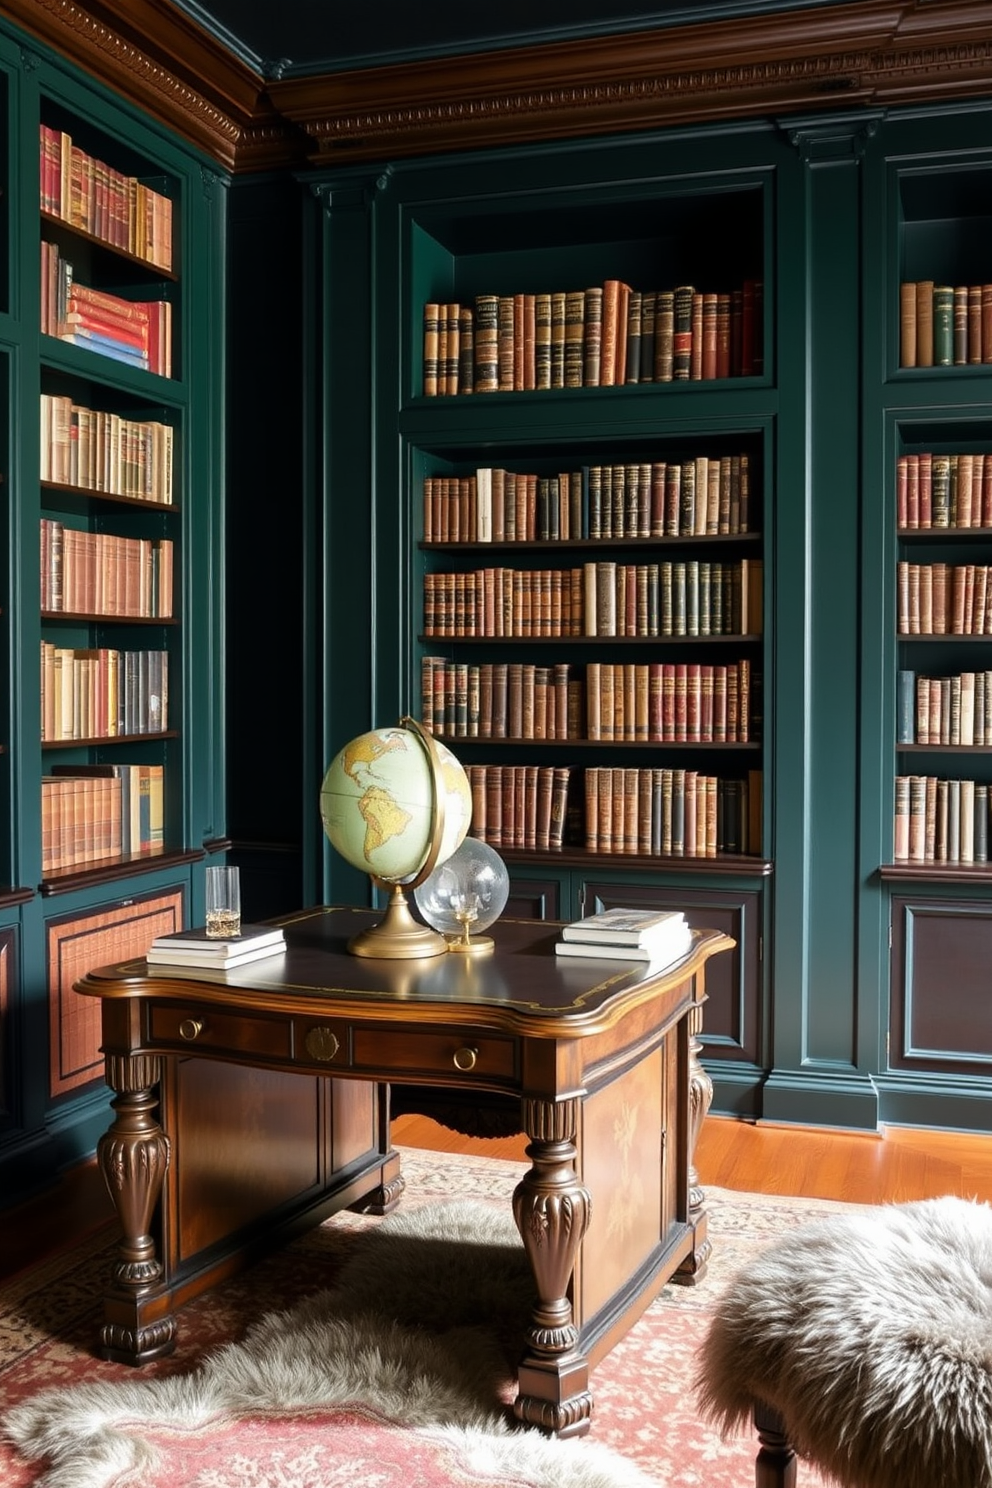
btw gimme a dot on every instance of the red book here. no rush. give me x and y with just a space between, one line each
494 804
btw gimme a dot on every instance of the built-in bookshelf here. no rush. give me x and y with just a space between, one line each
937 413
109 524
941 474
591 632
115 687
943 710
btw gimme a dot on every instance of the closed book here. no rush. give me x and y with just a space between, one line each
664 954
195 941
906 697
631 927
943 325
197 960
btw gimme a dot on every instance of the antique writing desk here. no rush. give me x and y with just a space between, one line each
252 1102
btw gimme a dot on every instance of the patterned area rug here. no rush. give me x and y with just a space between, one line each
424 1422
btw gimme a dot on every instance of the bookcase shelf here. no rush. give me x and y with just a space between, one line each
68 881
937 511
943 499
106 455
625 484
64 497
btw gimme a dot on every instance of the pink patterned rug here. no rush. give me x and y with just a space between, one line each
644 1428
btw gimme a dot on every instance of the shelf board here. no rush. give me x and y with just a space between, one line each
60 489
98 741
91 619
935 872
598 640
154 271
724 865
454 741
85 875
944 748
580 544
944 534
943 637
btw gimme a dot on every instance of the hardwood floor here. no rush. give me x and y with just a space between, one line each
900 1164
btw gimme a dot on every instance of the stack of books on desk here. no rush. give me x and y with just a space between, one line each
660 937
194 948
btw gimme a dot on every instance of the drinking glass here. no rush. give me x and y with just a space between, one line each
223 903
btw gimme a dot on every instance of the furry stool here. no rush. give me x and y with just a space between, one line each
863 1342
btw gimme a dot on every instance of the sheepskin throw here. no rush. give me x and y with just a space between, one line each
871 1335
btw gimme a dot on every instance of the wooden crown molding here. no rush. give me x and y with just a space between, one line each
155 56
875 53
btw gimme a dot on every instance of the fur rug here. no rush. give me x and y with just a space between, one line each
418 1332
871 1334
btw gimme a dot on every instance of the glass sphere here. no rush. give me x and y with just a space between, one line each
465 894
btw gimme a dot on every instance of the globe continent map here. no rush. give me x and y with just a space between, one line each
377 799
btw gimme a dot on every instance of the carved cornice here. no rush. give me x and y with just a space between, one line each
876 53
866 54
155 56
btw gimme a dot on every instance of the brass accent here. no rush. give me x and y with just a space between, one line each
190 1029
465 1059
398 936
321 1043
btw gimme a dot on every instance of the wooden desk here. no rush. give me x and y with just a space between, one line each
253 1102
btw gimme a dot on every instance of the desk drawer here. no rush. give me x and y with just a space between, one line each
231 1033
459 1054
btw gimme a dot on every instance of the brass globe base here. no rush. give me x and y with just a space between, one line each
398 936
475 945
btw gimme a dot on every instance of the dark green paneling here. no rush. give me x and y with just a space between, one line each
821 1041
357 634
266 543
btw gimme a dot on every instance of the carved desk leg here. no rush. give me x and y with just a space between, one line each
693 1268
134 1156
552 1212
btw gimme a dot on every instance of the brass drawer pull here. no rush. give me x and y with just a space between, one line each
464 1059
190 1029
321 1043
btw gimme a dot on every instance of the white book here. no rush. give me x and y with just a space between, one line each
196 959
220 947
666 954
630 927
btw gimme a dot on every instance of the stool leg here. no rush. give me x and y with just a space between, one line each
775 1464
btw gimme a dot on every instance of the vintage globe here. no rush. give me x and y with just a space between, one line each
395 803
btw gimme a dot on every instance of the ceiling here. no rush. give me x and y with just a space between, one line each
299 38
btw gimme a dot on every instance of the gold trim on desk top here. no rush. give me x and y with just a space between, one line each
577 999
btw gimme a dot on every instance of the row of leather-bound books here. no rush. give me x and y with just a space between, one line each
943 598
705 496
653 702
102 573
642 811
102 693
602 598
105 452
87 193
954 710
943 490
940 821
94 812
606 335
944 325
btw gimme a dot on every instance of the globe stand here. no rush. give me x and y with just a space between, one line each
397 936
466 944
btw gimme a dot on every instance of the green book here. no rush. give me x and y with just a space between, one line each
943 325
